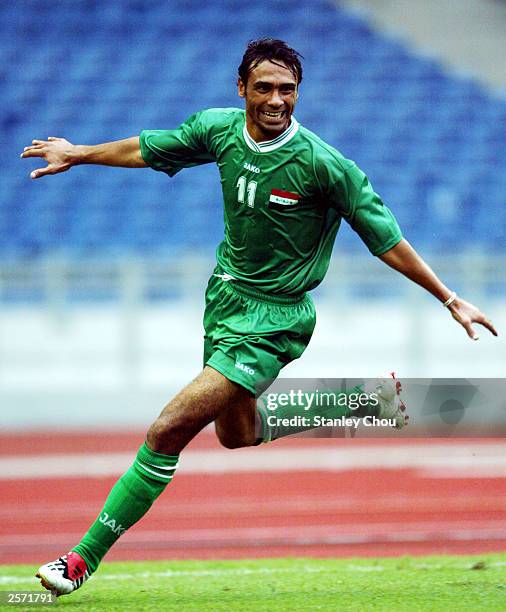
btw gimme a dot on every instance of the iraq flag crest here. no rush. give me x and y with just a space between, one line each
283 199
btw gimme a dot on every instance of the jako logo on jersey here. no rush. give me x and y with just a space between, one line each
283 198
245 368
251 168
111 523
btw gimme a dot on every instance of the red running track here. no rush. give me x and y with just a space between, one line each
363 512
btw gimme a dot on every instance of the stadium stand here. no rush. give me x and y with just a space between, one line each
432 142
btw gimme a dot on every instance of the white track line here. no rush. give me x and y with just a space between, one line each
6 580
465 459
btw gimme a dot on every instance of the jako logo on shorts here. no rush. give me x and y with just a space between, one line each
245 368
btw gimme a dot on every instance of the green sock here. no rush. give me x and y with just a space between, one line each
273 429
129 500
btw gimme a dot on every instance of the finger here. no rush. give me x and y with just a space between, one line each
42 172
481 319
49 169
37 142
32 147
32 153
488 324
470 331
54 138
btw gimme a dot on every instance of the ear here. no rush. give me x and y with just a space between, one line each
241 88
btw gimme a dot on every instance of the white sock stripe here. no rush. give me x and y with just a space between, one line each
160 467
167 477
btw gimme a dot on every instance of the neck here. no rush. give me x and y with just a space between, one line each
259 135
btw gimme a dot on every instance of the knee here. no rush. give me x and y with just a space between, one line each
154 436
233 440
162 434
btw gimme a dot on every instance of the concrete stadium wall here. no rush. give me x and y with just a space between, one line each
102 366
467 35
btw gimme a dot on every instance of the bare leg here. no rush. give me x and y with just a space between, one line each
235 425
211 396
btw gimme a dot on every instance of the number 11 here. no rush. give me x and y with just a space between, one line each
250 188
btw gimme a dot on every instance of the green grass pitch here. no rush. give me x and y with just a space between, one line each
423 583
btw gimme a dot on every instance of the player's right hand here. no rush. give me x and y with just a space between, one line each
466 314
56 151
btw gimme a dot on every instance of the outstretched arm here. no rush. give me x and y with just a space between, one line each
60 154
403 258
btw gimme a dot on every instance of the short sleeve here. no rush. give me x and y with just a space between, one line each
170 151
351 193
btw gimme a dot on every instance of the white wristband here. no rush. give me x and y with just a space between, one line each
450 300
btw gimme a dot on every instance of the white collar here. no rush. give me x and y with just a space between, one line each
276 143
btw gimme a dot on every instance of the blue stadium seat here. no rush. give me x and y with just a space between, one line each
110 69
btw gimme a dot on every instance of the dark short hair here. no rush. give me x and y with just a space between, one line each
271 49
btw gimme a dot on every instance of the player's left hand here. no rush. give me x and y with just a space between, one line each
466 314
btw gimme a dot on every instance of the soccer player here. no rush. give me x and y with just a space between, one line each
285 192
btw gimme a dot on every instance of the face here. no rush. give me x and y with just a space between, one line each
271 94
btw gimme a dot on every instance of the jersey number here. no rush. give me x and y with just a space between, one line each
247 189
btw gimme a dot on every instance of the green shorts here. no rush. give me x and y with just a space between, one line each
250 335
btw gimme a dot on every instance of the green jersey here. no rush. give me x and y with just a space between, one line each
283 199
